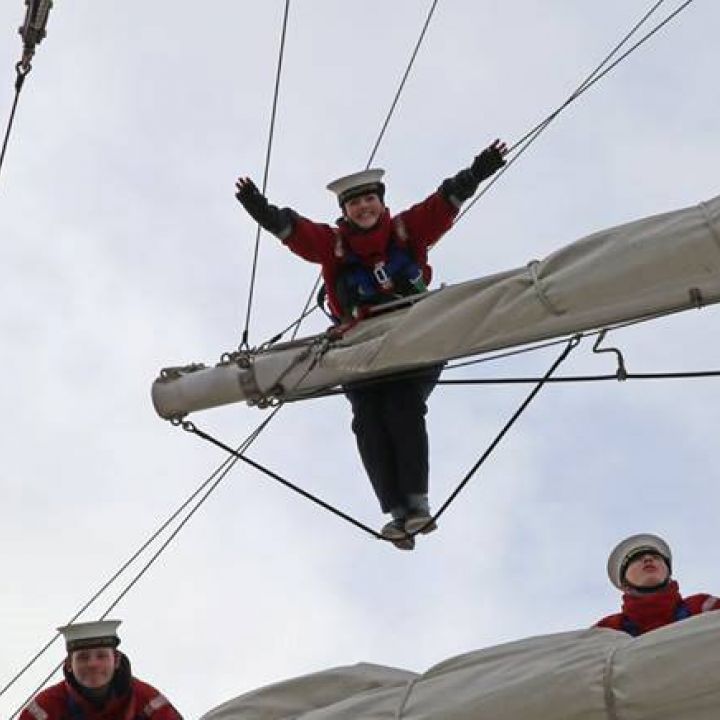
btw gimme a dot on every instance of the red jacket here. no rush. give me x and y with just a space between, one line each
642 613
424 224
132 700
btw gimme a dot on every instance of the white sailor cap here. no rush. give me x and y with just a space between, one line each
101 633
627 550
359 183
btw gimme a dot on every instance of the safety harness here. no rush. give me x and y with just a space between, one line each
361 284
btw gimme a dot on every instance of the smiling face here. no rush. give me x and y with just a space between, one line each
94 667
364 210
647 570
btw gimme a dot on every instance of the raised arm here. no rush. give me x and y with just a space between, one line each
278 221
461 187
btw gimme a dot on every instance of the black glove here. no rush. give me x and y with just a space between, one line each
462 186
278 221
489 161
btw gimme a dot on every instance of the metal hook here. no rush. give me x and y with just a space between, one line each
621 373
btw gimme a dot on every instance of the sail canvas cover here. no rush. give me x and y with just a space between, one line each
598 674
660 264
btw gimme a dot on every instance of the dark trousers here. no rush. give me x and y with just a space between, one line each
389 426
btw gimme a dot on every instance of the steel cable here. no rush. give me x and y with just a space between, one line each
271 133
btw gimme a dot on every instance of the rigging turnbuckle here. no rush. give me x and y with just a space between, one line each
33 30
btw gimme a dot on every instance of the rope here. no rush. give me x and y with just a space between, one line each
402 84
22 72
586 82
271 133
305 312
571 345
294 325
597 74
192 428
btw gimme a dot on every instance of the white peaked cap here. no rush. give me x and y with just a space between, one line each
623 551
101 633
357 180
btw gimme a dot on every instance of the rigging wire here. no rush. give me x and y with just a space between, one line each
681 375
192 428
596 75
305 311
689 374
21 75
571 345
271 133
402 84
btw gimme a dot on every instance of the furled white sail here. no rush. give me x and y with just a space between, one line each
596 674
665 263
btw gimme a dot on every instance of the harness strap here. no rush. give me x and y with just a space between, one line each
339 248
401 232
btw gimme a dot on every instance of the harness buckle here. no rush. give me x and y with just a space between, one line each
381 276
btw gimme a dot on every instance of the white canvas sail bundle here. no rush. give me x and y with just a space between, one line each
661 264
594 674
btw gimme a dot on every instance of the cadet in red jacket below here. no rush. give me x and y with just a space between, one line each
641 566
369 258
98 684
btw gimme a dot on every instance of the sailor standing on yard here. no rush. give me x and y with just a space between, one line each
98 682
368 258
641 568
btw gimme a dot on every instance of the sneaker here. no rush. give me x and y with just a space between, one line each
396 533
420 521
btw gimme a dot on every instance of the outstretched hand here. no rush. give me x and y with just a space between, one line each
490 160
246 190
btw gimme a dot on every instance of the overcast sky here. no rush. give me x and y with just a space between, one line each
123 251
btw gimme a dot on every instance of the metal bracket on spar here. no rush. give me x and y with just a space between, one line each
621 373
